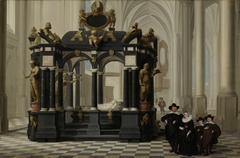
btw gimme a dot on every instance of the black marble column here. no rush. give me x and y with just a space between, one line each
125 90
60 89
134 89
130 87
100 87
70 91
52 89
43 96
94 89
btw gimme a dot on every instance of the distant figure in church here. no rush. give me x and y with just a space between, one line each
199 134
34 81
161 104
172 122
211 132
186 138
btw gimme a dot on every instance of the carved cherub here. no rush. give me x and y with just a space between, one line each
94 39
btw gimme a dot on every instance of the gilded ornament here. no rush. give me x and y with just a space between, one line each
94 59
82 18
34 81
77 35
134 29
77 52
35 35
97 9
111 36
150 33
111 52
112 18
94 39
80 114
145 120
33 121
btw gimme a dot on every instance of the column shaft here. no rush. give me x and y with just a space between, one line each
94 89
3 43
227 98
52 90
176 70
100 89
200 100
43 89
60 89
70 91
187 60
134 89
125 90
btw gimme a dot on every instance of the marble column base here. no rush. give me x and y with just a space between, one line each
227 112
199 106
186 104
3 113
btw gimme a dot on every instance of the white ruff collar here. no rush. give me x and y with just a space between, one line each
189 118
201 125
174 112
209 122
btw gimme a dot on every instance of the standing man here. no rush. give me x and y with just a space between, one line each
172 120
161 104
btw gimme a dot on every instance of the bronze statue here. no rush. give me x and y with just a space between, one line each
47 31
134 29
81 18
34 82
144 81
150 33
112 18
35 35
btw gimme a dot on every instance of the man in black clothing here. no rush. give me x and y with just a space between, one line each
172 121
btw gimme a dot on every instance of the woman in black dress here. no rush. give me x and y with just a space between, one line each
187 141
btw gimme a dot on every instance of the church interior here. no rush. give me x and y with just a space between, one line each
83 78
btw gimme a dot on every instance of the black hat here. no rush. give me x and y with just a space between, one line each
173 104
200 118
212 117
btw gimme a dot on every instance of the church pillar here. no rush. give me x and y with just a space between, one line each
199 100
134 89
187 59
3 43
22 36
100 87
176 70
125 90
43 95
214 77
70 90
52 89
227 97
94 89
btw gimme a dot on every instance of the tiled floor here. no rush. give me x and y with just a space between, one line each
15 144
